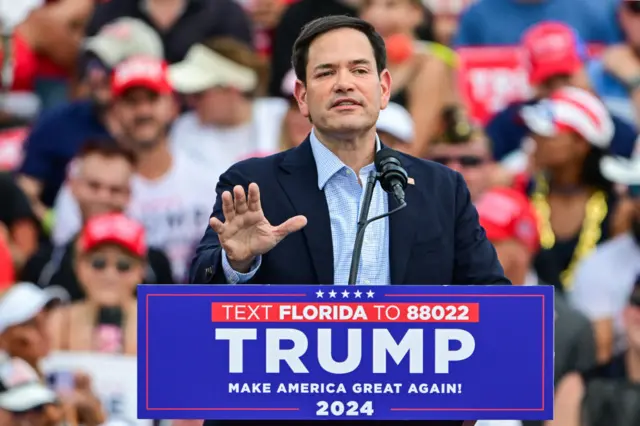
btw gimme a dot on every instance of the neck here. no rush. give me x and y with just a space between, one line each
567 176
354 151
632 361
155 162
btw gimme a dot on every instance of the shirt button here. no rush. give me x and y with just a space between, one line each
348 173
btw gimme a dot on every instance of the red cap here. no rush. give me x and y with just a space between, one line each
114 228
507 214
553 48
141 71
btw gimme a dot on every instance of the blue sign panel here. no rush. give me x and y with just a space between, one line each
249 352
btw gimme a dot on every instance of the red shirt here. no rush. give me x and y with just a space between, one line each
7 274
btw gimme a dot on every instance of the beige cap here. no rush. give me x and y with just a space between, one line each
123 38
204 69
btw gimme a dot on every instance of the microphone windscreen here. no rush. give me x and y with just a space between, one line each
382 155
400 48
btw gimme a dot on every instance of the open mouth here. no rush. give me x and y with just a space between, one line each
345 103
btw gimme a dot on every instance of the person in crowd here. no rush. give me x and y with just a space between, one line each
511 224
18 220
500 22
556 58
25 311
295 126
171 194
609 393
110 263
446 14
24 399
222 78
615 76
293 19
265 16
572 131
57 135
465 149
181 23
416 74
604 279
101 183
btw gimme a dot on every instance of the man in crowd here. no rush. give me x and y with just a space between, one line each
57 135
556 58
24 334
616 75
221 77
101 183
605 278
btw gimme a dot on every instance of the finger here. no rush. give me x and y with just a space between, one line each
227 206
293 224
216 225
254 197
240 200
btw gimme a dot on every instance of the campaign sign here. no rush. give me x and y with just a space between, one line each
245 352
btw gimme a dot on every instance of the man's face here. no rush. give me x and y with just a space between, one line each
515 259
391 17
29 340
144 116
102 185
630 22
214 106
344 93
471 159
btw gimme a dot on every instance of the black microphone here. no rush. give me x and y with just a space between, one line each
392 176
109 331
393 179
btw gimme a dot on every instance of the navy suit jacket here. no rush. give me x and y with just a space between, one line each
436 239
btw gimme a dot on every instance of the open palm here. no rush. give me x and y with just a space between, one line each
246 233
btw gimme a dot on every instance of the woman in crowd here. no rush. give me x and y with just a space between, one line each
423 80
572 131
110 263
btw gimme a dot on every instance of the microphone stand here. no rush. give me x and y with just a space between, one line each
363 222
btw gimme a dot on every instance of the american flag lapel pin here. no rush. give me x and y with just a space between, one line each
411 181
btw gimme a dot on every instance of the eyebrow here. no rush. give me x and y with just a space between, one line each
351 63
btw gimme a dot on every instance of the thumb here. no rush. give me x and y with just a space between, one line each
293 224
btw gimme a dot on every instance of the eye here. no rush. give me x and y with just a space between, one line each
323 74
361 71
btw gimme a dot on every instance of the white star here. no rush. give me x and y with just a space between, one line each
345 294
319 294
332 294
370 294
357 294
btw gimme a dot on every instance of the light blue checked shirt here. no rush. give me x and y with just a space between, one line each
344 195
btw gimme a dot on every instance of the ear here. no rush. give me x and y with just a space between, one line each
300 93
385 88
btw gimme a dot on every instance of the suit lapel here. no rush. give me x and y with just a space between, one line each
298 177
402 232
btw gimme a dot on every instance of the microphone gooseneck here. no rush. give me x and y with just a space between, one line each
393 179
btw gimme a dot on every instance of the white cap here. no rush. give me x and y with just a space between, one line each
572 108
21 388
124 38
22 302
204 69
621 170
396 121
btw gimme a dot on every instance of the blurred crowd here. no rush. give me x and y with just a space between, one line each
118 116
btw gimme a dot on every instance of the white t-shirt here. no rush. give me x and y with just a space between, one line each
603 283
174 210
219 148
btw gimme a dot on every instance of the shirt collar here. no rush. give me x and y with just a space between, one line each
327 163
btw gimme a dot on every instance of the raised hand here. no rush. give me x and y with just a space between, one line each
246 233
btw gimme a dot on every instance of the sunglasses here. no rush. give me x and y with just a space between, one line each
632 6
634 191
100 263
463 160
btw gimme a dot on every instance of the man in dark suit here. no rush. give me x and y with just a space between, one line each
316 188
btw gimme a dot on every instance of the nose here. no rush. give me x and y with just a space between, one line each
344 81
455 165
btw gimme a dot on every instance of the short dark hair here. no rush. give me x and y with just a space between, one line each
107 148
320 26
